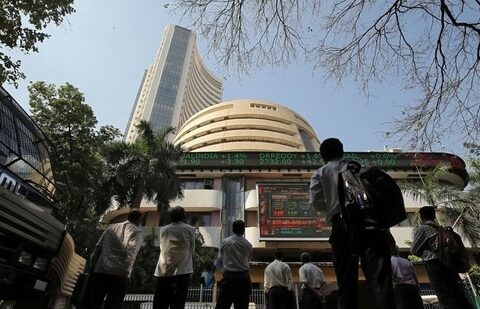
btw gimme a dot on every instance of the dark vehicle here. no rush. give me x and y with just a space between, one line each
36 254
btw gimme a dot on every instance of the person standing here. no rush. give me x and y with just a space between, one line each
445 281
370 245
405 283
278 283
175 263
312 280
234 255
112 262
207 279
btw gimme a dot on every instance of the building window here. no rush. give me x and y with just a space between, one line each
199 218
306 141
197 184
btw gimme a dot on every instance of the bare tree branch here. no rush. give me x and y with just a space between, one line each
432 46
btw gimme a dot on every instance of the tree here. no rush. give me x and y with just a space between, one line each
142 279
433 46
70 125
21 27
144 169
450 204
203 256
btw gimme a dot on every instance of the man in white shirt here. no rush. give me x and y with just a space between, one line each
278 284
234 255
349 245
312 280
112 262
175 263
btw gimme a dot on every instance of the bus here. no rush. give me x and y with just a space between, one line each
37 255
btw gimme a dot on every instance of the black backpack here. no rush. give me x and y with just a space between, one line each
450 249
369 197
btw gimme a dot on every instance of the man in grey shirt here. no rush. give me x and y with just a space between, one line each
112 262
348 244
234 255
312 279
175 263
405 283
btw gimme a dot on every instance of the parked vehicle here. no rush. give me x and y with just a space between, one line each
37 258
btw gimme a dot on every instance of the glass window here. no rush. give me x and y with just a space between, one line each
199 218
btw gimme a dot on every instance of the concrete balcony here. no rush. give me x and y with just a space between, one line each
211 235
251 202
401 235
251 234
200 200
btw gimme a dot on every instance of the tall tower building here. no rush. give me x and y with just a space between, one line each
176 86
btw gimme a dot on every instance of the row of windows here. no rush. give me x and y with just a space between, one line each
294 146
240 127
256 105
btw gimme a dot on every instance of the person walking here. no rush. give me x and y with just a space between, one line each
370 245
278 283
405 283
175 263
112 262
234 257
445 281
313 281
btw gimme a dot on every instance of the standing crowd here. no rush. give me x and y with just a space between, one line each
390 279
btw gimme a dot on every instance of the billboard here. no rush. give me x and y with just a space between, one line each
284 213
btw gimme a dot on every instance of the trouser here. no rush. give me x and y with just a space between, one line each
105 285
235 288
447 286
171 292
280 298
407 296
310 301
371 247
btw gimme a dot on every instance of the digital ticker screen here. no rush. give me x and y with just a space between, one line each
312 160
284 213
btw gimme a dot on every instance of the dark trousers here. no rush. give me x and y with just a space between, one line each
280 298
171 292
235 288
310 301
104 285
407 296
447 286
371 247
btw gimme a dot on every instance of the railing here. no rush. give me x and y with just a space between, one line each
434 301
201 298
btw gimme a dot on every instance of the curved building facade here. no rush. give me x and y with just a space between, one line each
176 86
247 125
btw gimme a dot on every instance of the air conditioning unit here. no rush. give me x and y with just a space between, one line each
208 183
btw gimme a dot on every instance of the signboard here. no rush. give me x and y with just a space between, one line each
284 213
312 160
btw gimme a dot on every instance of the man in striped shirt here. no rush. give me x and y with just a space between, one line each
445 281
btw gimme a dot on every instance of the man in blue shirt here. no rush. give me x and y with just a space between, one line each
234 254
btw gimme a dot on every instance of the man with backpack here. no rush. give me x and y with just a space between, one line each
445 281
369 244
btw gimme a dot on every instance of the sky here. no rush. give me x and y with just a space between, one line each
105 46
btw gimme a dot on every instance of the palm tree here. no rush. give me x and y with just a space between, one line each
145 169
453 206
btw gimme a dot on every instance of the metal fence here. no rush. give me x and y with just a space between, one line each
201 298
